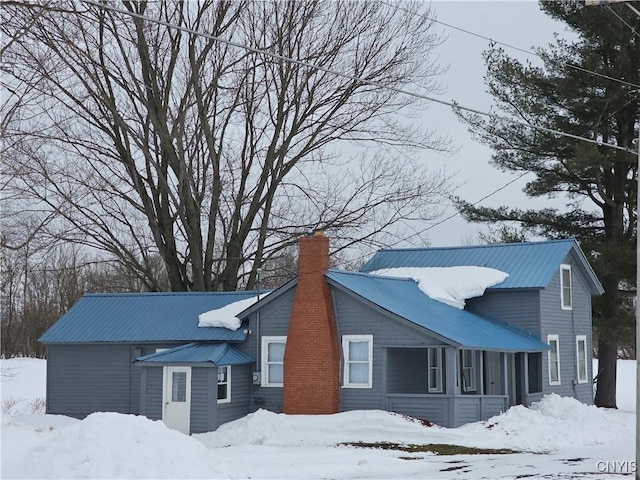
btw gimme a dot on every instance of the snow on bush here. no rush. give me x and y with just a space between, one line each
276 429
551 424
112 445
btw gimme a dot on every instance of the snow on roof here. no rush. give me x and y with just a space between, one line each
227 316
450 285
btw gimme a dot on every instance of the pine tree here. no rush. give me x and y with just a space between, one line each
598 182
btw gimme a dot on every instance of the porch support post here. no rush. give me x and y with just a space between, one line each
385 387
505 374
525 380
480 372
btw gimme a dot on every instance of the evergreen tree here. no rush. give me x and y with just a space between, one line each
598 182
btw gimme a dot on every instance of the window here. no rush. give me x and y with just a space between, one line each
554 359
581 360
434 361
358 353
179 387
224 384
565 286
468 370
273 361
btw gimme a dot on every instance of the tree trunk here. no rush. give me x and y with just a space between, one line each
607 368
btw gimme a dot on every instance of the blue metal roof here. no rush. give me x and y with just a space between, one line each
529 264
216 353
143 317
461 328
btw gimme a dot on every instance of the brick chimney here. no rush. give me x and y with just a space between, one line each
312 354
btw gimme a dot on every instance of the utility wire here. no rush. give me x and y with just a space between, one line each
452 104
523 50
474 203
635 32
492 193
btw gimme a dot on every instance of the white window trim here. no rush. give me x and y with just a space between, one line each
437 368
264 378
346 339
582 338
228 383
556 338
564 268
472 371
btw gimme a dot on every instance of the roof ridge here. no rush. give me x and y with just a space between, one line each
488 245
171 294
371 275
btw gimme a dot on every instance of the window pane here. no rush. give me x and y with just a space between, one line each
582 364
275 373
179 387
566 287
467 358
434 379
222 374
359 373
222 391
566 297
434 357
359 351
275 351
553 362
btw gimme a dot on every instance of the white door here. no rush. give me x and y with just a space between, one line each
176 398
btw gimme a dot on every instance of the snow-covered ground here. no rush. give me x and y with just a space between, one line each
558 438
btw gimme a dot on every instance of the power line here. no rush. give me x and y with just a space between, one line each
452 104
635 32
519 49
474 203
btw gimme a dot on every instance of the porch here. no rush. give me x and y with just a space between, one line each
451 386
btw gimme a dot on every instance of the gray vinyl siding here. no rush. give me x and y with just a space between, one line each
204 385
472 409
240 395
447 410
273 321
152 400
567 324
357 318
83 379
435 409
516 307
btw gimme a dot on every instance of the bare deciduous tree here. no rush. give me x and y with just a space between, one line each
141 139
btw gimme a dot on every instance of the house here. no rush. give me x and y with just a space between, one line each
331 341
92 351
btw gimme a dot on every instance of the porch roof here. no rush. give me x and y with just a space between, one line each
216 353
460 328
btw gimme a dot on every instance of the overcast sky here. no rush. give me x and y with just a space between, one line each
519 23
